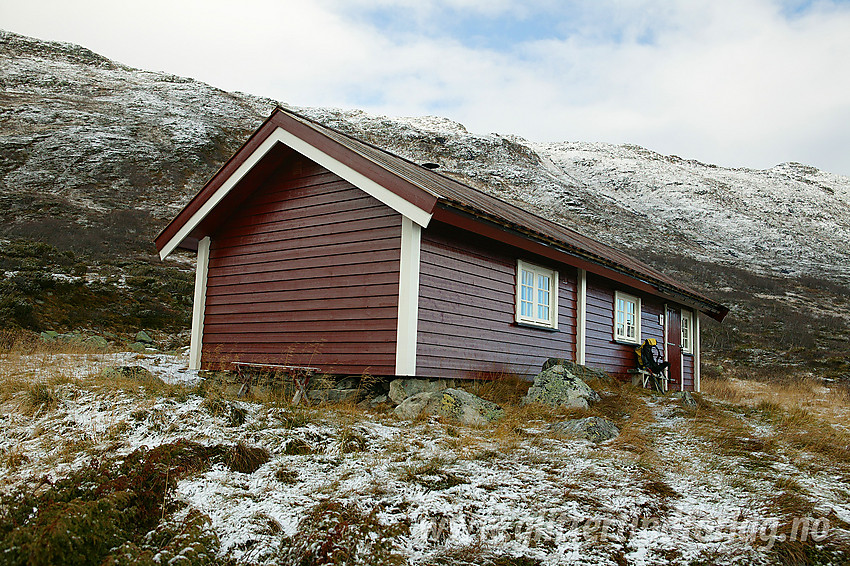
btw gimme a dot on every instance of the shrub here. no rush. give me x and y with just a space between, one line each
190 542
338 533
102 506
76 532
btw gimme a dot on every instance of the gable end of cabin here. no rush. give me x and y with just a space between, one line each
304 272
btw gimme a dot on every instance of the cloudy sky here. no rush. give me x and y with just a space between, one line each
734 82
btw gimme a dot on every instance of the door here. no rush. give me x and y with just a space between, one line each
674 349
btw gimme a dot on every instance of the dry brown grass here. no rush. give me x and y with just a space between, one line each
831 401
626 406
801 417
502 388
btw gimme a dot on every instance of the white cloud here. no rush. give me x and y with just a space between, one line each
736 83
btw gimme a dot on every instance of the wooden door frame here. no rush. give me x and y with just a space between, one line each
681 366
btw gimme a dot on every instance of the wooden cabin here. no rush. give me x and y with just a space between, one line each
317 249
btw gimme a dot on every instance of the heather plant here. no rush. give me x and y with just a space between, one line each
333 532
115 503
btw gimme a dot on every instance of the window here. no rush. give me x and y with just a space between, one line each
626 318
537 295
687 325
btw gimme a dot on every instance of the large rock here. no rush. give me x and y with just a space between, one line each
582 372
401 389
686 398
334 395
426 402
144 337
455 404
595 429
49 335
559 386
97 342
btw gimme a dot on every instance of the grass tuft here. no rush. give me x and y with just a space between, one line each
297 447
245 459
41 397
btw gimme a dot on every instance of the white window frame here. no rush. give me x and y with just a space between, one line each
687 332
626 298
552 321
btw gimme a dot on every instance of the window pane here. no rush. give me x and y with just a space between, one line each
543 313
526 294
626 318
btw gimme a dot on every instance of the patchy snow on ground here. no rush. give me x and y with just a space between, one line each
523 492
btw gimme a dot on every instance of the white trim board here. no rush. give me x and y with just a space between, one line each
697 354
199 303
389 198
581 317
408 298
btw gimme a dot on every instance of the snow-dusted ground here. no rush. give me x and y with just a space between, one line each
525 492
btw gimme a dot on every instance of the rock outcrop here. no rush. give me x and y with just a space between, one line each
454 404
595 429
559 386
401 389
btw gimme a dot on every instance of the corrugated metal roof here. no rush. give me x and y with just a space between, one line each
455 194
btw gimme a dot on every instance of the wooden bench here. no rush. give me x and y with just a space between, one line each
300 377
646 377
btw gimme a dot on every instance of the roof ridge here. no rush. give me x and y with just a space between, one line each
616 257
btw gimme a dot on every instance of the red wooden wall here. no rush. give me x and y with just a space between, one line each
601 351
305 272
467 294
688 372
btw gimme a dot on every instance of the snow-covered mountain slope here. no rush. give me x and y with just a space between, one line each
104 152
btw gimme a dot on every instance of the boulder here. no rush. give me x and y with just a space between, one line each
582 372
49 335
70 337
334 395
144 337
455 404
401 389
97 342
595 429
373 402
685 398
425 402
558 386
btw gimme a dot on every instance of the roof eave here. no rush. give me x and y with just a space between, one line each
684 296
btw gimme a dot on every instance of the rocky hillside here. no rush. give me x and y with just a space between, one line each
96 147
96 157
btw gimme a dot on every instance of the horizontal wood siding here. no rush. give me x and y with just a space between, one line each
688 372
601 351
466 309
305 272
